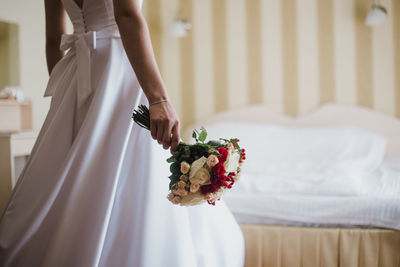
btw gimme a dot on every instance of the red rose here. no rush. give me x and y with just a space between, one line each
223 154
218 169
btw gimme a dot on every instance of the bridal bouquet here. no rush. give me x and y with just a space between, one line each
200 172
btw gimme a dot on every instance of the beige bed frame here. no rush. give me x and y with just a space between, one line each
283 246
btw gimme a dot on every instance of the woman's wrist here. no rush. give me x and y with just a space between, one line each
154 97
158 102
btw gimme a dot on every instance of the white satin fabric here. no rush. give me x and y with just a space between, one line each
93 192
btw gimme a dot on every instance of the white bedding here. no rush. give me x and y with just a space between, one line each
378 207
308 176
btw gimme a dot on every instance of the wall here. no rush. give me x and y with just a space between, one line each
29 15
289 55
9 55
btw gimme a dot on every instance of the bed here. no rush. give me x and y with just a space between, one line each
332 202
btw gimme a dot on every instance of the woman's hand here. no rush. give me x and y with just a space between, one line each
164 125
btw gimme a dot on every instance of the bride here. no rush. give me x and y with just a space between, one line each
93 192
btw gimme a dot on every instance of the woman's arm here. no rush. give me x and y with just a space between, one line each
55 27
164 125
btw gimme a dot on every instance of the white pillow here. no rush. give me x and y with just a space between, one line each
292 159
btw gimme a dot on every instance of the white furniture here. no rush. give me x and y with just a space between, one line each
16 142
15 116
14 151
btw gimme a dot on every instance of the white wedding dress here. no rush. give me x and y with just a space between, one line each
93 192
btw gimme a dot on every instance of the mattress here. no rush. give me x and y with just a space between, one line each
277 246
313 176
378 205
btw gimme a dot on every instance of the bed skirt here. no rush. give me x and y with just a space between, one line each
284 246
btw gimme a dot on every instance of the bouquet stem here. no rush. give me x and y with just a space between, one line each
142 117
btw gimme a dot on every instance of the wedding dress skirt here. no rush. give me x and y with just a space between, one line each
93 192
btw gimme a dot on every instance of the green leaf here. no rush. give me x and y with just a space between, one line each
171 159
203 135
171 184
235 143
175 168
174 179
213 143
194 135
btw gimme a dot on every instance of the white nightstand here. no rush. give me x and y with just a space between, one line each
14 151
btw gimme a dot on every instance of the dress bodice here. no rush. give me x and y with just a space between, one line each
92 23
94 14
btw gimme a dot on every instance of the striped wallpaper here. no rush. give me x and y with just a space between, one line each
290 55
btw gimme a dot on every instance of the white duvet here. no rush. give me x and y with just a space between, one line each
333 176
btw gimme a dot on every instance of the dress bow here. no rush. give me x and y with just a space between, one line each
84 43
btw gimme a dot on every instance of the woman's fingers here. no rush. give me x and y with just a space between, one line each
166 141
164 125
153 129
160 131
175 137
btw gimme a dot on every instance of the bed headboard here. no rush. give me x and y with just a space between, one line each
326 115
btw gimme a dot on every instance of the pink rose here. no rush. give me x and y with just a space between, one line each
181 184
176 200
180 191
212 160
194 188
185 167
170 196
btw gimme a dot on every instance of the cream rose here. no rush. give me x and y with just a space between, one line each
232 162
199 174
185 167
192 199
212 160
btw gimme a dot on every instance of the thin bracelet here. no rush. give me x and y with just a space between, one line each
158 102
